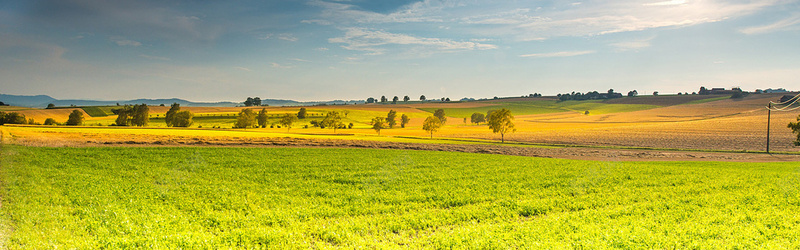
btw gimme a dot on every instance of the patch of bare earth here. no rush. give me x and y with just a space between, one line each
580 153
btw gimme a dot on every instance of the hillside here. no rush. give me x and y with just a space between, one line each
41 101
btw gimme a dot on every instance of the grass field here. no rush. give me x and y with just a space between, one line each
320 198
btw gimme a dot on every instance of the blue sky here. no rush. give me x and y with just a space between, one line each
323 50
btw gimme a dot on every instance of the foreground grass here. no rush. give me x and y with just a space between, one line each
290 197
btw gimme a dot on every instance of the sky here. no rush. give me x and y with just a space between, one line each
354 49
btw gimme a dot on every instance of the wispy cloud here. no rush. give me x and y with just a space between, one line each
375 42
122 41
632 45
321 49
242 68
789 23
343 13
284 36
280 66
160 58
299 60
559 54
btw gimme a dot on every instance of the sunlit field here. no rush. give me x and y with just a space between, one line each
309 198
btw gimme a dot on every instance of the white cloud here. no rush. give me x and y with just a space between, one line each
121 41
321 49
559 54
154 57
375 42
789 23
243 69
299 60
632 45
342 13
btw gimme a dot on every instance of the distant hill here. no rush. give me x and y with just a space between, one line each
41 101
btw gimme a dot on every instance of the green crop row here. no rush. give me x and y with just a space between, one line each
323 198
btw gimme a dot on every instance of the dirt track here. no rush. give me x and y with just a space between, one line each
581 153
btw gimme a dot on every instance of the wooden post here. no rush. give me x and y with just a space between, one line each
769 115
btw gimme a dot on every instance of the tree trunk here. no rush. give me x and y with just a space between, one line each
502 138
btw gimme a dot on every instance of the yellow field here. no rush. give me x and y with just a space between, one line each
723 124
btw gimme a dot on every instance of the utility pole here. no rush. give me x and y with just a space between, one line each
769 115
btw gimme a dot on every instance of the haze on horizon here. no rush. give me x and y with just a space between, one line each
324 50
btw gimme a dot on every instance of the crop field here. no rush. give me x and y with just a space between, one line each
321 198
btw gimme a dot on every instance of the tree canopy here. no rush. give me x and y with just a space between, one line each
795 126
477 118
501 121
245 119
287 120
431 124
302 113
333 120
391 118
404 120
439 113
262 118
378 123
75 118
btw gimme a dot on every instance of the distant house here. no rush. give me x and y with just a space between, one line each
780 90
718 91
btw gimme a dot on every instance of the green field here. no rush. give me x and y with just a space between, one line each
595 107
309 198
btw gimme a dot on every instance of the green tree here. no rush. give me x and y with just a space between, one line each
51 106
406 99
378 123
333 120
439 113
431 124
141 115
75 118
287 120
795 126
182 119
422 98
391 118
13 118
170 116
262 118
404 120
123 116
395 99
501 121
383 98
50 121
245 119
477 118
302 113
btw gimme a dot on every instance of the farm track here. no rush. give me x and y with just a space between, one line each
568 152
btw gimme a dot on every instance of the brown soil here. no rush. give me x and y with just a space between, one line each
580 153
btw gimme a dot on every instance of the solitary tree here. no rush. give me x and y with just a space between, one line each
75 118
390 118
302 113
287 120
404 120
245 119
50 106
431 124
501 121
50 121
795 126
395 99
378 123
422 98
262 118
439 113
406 98
477 118
370 100
333 120
383 98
